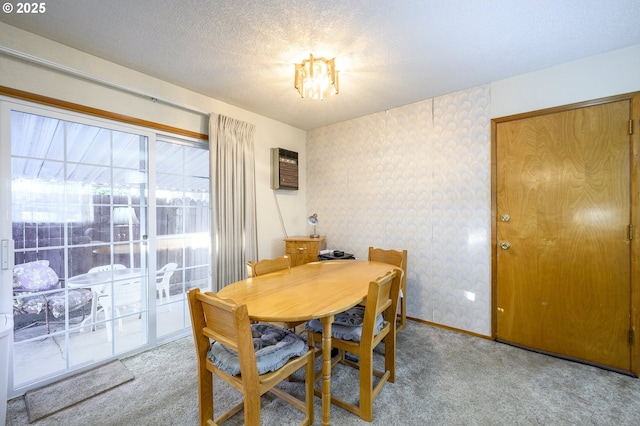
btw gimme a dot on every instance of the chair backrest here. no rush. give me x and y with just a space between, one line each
34 276
266 266
226 322
165 273
382 298
392 257
102 268
122 293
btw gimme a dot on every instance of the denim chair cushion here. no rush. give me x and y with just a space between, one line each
273 346
347 325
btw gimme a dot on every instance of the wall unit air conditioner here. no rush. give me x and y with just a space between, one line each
284 169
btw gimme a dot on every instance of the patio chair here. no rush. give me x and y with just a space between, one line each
116 295
163 279
97 294
36 289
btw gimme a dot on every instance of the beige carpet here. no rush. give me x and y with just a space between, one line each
50 399
442 378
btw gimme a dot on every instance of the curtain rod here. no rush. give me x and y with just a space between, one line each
68 70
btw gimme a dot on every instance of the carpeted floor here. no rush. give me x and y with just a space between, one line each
443 378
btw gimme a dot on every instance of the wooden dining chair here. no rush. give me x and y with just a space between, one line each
253 358
266 266
358 331
399 259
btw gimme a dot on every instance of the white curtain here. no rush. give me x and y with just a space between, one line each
234 236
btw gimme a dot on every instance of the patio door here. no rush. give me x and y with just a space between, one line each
108 226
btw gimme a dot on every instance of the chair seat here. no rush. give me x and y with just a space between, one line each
347 325
273 347
77 299
28 304
34 304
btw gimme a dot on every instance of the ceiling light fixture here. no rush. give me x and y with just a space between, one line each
316 78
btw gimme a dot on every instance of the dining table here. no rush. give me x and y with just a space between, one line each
313 290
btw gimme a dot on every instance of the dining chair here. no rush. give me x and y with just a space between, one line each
266 266
396 258
358 331
253 358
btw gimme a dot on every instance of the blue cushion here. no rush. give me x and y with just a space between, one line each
347 325
273 346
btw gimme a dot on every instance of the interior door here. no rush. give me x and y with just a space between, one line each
563 208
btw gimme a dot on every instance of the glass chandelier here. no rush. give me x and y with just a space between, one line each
316 78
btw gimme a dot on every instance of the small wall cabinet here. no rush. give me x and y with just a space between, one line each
303 250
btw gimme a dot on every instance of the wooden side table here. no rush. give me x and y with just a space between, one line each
303 250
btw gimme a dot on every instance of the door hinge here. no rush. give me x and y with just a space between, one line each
630 232
631 126
632 336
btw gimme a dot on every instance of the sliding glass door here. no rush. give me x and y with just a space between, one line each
182 229
110 227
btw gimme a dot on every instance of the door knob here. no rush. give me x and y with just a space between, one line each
505 218
505 246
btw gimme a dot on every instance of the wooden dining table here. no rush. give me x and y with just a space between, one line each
313 290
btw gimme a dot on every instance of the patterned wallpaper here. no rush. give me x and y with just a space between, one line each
415 177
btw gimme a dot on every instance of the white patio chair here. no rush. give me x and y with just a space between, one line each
163 279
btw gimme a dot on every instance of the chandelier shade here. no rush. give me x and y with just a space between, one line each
316 78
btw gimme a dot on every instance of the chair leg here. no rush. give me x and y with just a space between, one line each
46 317
163 293
403 313
390 356
94 311
166 293
309 386
108 323
366 385
205 396
251 408
119 319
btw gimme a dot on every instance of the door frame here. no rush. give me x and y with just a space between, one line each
66 112
634 308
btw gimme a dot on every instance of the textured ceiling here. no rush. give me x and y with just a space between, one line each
389 53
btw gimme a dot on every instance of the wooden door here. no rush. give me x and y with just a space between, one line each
563 206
